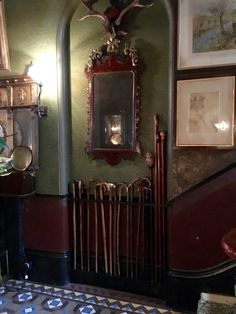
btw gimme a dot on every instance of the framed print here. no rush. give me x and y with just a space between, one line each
206 33
205 112
4 50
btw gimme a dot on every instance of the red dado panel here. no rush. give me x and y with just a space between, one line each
197 220
46 225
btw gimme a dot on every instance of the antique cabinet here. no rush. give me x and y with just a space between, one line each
19 113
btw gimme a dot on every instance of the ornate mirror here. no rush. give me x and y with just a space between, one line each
113 106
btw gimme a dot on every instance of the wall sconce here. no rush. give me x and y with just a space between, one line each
36 74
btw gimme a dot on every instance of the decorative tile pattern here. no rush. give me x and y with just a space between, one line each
2 290
53 304
29 298
24 297
28 310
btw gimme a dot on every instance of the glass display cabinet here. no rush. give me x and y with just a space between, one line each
19 108
19 115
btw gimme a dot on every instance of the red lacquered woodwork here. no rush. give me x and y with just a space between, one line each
228 243
46 224
197 221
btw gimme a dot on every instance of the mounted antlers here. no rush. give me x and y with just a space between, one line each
112 16
89 4
135 3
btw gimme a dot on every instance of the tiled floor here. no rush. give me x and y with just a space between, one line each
19 297
120 295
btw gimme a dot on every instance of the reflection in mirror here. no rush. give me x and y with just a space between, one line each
113 110
114 129
21 158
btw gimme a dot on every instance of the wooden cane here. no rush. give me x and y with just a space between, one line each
138 229
101 190
96 227
143 185
157 237
163 196
74 227
130 230
91 183
127 232
131 241
79 185
121 186
115 206
88 227
109 188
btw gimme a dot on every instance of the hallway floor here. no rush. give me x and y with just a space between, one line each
28 297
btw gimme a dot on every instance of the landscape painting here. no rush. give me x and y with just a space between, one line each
214 25
206 33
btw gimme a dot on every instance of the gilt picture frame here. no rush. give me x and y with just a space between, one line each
205 112
4 49
206 33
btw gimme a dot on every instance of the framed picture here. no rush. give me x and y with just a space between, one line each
205 112
206 33
4 50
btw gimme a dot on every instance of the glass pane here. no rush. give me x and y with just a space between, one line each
113 110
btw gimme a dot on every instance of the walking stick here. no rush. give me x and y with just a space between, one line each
74 226
79 184
101 187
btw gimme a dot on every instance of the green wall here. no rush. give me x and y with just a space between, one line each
33 29
32 32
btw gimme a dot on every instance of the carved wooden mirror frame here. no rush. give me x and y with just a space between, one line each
113 104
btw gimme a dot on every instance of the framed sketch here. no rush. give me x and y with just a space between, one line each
206 33
205 112
4 50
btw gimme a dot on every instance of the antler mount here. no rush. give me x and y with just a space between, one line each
112 17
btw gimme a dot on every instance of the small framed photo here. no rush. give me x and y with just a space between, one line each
206 33
4 49
205 112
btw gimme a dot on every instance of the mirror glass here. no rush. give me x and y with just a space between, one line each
113 110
